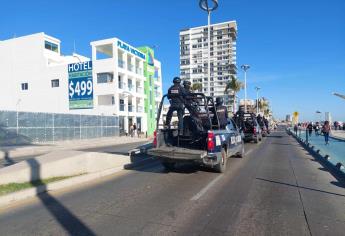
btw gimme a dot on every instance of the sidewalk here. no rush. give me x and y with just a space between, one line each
339 134
38 149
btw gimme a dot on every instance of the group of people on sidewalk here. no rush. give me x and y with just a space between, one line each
324 129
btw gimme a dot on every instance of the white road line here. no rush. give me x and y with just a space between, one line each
206 188
248 152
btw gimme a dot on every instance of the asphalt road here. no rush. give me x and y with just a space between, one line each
115 149
277 189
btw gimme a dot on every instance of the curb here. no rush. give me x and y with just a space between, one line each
32 192
337 138
46 149
324 160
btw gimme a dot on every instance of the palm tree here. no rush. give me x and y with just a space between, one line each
196 87
264 105
232 87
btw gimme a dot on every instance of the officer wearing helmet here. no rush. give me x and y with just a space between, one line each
187 85
222 113
176 96
189 99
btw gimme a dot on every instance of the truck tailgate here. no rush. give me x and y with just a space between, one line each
177 153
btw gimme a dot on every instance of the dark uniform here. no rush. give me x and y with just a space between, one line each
176 96
222 113
189 99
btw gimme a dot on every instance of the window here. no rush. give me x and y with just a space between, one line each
55 83
122 105
51 46
25 86
104 78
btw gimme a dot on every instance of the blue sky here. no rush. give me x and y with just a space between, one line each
296 48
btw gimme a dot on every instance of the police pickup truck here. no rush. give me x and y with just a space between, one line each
202 142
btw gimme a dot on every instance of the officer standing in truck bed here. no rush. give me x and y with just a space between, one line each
176 96
222 113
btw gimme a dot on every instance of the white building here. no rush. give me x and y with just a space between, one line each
126 84
35 78
34 74
194 56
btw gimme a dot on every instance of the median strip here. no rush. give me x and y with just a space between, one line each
14 187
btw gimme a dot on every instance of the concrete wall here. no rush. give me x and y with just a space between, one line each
61 163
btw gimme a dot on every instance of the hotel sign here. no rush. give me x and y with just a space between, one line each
130 49
80 85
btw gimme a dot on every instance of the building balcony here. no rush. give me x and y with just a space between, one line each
139 90
130 108
122 107
122 85
139 71
130 88
140 109
121 63
130 67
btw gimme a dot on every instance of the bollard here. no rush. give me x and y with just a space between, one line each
312 147
318 151
339 166
327 157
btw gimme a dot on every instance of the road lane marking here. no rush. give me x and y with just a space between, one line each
248 152
206 188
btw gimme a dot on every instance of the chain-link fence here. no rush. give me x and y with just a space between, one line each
32 127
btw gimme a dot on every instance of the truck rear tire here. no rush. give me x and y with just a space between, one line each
241 154
168 165
221 166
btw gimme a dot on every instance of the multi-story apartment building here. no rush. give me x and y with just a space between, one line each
129 82
194 56
125 81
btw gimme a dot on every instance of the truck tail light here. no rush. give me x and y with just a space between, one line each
254 130
155 138
210 141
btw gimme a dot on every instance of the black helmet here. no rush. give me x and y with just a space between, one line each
187 82
219 101
176 80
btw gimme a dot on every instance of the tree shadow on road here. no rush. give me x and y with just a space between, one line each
68 221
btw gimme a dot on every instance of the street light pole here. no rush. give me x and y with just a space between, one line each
245 68
209 7
209 53
257 99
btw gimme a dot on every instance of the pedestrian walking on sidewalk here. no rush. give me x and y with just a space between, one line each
310 129
131 130
326 130
134 129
